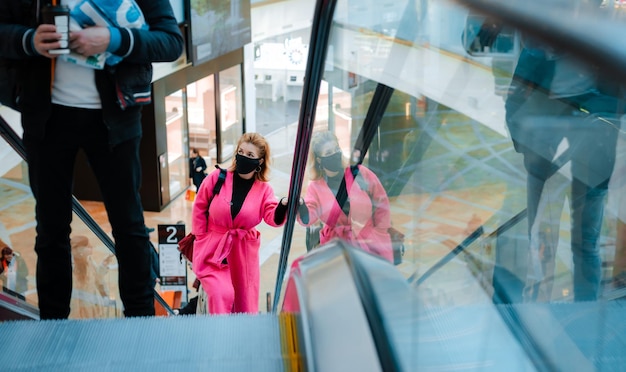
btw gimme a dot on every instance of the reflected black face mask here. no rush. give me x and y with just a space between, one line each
245 164
332 162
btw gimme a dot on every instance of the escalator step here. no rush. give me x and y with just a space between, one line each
221 343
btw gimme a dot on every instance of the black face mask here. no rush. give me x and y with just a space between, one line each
332 162
245 165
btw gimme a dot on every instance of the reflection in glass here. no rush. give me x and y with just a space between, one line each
91 294
503 160
95 289
17 218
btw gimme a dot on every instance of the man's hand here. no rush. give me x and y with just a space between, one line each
46 38
90 41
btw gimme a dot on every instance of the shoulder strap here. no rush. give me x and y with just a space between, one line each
220 180
218 184
342 194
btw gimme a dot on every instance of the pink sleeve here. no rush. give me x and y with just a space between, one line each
269 206
380 201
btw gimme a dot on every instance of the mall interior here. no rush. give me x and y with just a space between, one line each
511 210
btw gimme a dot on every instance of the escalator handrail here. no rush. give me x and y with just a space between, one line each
374 314
318 46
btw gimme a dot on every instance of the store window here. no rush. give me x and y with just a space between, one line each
201 112
231 110
176 139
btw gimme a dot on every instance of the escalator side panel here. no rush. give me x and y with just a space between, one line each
340 337
12 308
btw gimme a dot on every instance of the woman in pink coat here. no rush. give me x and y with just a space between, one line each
226 249
365 217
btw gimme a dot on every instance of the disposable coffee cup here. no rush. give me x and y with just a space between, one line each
58 15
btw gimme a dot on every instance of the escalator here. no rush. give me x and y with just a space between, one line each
372 321
458 301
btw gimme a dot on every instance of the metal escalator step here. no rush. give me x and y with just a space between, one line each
220 343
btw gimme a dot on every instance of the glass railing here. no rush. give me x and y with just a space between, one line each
499 143
95 277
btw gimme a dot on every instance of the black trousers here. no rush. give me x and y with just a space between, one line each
118 172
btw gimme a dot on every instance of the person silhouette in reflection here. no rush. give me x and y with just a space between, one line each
364 218
559 112
90 292
617 200
13 270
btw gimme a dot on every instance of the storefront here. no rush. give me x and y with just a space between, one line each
198 107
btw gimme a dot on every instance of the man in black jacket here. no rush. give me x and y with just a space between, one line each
197 167
66 107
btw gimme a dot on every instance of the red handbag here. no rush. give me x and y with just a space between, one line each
185 245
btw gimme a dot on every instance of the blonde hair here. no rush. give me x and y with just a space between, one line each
318 141
264 148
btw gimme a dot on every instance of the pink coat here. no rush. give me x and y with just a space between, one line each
232 286
369 219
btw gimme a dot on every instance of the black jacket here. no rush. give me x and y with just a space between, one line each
197 177
119 86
